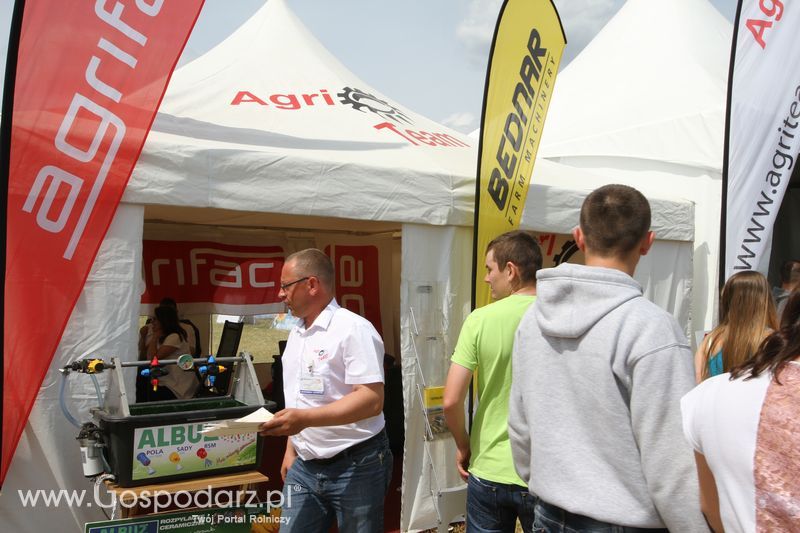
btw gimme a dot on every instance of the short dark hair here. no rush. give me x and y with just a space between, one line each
790 271
314 262
521 248
614 220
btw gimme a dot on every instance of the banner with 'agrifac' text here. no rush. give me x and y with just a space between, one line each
526 52
89 78
763 138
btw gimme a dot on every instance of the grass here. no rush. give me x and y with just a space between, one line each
259 338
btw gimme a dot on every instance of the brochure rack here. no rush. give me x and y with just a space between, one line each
449 502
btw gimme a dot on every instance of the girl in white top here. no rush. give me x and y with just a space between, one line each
169 340
745 431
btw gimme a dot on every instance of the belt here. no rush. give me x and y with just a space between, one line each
585 523
348 451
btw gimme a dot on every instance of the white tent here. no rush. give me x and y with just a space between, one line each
270 100
644 104
242 152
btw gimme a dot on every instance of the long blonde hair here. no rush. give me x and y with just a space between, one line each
746 315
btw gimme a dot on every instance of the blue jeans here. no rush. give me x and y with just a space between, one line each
350 488
495 507
553 519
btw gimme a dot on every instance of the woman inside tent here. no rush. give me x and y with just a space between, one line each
168 341
747 315
745 430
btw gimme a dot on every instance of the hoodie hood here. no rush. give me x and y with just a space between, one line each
572 298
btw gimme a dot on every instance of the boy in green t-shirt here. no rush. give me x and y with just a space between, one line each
496 496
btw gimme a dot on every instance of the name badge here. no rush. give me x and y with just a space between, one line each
311 385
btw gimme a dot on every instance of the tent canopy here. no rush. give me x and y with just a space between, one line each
249 127
557 192
651 85
644 105
278 125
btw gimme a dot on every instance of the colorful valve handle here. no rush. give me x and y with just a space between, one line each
154 371
211 370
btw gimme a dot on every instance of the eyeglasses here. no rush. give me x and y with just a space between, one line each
285 286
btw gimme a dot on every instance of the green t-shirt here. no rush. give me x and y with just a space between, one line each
485 343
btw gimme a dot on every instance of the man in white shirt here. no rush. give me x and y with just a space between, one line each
337 463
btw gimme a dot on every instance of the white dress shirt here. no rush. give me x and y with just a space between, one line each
320 365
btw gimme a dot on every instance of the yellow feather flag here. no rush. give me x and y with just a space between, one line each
524 59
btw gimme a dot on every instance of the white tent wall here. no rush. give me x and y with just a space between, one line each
675 218
103 324
557 192
702 188
666 273
434 299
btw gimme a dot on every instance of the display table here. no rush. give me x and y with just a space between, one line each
128 498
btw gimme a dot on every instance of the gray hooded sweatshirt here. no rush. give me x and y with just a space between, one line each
594 415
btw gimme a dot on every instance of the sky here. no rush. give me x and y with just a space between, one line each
427 55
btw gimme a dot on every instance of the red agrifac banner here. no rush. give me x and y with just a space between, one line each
213 277
357 280
89 79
